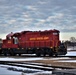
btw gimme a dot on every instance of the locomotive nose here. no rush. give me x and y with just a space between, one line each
63 49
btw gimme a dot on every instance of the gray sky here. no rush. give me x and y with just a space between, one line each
20 15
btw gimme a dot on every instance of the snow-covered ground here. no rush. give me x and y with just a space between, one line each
72 53
4 71
4 68
19 59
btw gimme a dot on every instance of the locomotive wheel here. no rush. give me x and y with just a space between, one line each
12 53
56 55
0 52
19 54
38 53
5 52
44 52
50 53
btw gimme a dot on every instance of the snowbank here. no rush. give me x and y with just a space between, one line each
18 59
4 71
73 53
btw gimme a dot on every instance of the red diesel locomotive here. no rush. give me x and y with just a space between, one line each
41 43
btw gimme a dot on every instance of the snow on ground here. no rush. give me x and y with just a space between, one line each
19 68
4 71
30 59
18 59
28 71
72 53
41 73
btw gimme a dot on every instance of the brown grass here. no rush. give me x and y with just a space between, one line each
57 63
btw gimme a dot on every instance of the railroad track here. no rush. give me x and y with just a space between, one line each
27 65
33 65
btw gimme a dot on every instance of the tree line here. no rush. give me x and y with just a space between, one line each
71 41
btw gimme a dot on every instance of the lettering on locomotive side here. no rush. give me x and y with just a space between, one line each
45 38
39 38
32 38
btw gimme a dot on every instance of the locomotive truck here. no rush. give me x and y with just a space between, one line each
41 43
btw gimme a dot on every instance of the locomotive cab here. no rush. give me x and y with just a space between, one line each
9 44
12 37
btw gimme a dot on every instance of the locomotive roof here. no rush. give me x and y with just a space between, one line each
16 34
36 32
54 30
42 31
29 32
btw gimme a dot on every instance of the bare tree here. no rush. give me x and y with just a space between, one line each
72 39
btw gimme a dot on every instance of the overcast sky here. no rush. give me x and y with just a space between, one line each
20 15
